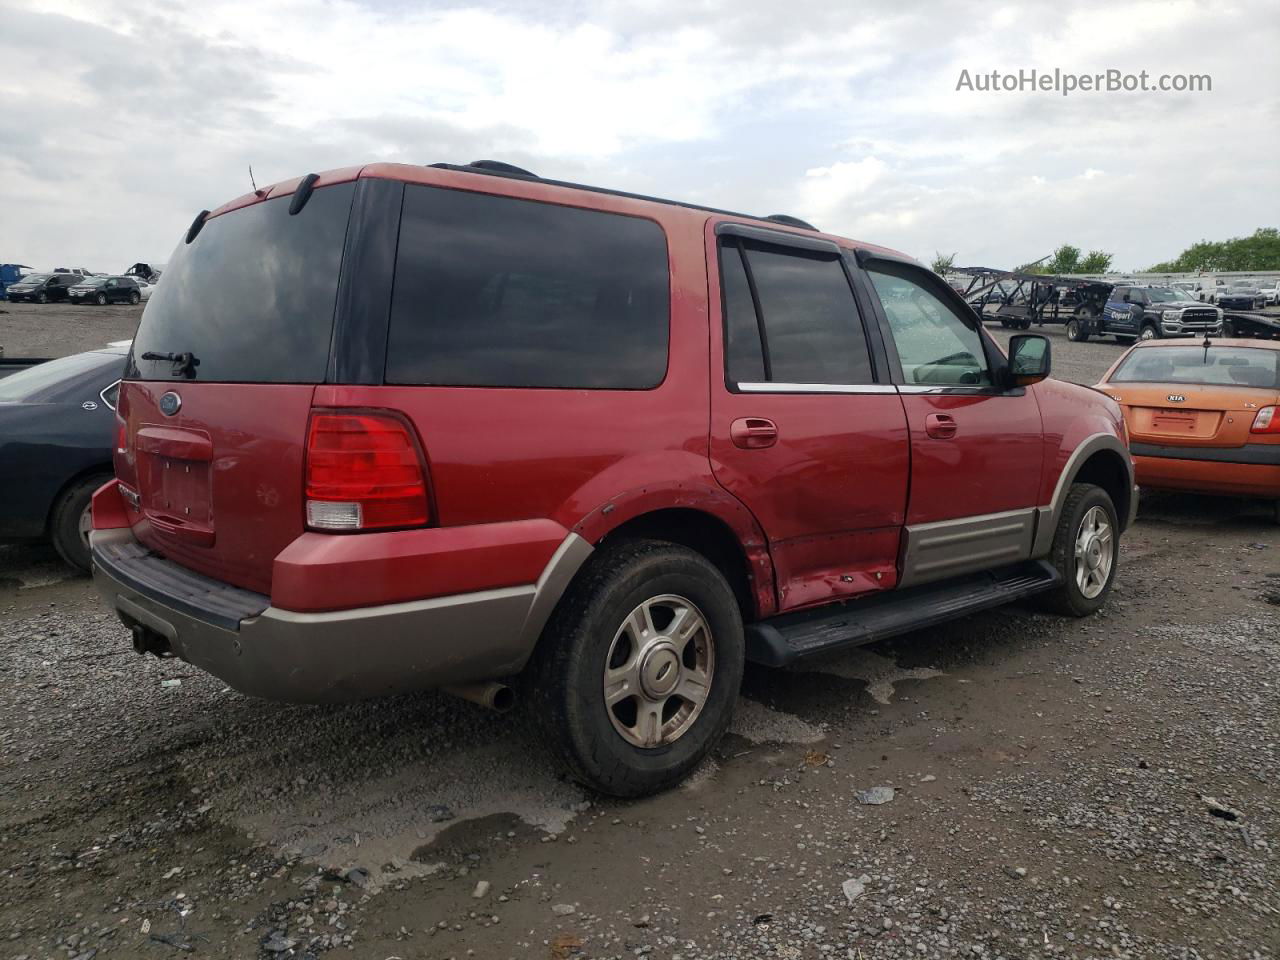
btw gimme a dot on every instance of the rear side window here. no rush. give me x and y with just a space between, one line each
499 292
252 297
812 331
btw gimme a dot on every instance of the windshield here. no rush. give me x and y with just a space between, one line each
1165 294
91 281
35 383
1217 365
252 297
35 278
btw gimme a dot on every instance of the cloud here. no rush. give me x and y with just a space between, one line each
120 124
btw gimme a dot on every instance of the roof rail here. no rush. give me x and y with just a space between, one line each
498 168
791 221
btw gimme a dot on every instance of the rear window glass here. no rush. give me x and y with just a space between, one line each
252 297
494 291
1217 366
46 381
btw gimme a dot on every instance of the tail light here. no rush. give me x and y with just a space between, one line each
364 472
122 435
1266 421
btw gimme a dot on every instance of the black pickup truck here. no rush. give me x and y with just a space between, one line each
1145 313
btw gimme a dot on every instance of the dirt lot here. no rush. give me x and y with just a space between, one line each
59 329
1095 789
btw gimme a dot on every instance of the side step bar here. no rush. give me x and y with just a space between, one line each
782 640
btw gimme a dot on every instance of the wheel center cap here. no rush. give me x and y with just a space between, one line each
660 671
1094 554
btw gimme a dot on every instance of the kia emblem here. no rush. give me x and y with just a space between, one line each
1173 398
170 404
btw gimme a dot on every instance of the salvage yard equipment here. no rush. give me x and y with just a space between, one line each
1027 298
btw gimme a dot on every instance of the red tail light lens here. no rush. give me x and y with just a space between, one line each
122 435
364 472
1266 421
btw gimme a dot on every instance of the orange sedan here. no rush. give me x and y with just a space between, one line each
1202 416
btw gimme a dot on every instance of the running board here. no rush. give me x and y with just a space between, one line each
779 641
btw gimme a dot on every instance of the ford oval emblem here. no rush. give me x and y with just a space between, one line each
170 404
88 405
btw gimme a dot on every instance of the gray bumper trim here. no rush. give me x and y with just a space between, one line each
354 654
1259 454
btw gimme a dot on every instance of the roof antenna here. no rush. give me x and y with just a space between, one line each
256 191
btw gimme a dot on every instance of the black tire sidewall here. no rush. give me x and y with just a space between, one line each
1082 499
1073 330
599 754
64 525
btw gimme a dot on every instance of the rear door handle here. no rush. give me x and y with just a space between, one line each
753 433
940 426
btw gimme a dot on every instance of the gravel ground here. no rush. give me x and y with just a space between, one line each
61 329
1096 789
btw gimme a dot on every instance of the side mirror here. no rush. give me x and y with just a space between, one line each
1030 359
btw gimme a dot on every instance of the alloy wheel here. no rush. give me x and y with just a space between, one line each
657 676
1095 552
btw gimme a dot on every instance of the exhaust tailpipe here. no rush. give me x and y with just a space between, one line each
497 697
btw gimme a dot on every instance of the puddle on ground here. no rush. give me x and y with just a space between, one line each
879 673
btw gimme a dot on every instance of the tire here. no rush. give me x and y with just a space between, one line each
42 297
67 527
1228 329
1076 331
1126 341
1086 506
101 299
1149 332
603 746
135 298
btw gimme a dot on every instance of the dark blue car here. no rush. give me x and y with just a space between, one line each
57 425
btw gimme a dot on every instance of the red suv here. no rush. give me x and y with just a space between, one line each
397 427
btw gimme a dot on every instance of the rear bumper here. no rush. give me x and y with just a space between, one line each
1252 470
343 655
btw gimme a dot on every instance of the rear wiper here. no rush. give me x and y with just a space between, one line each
184 364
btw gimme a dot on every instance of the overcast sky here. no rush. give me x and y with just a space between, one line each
120 121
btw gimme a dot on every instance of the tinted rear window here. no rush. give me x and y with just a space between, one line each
1218 366
493 291
252 297
46 382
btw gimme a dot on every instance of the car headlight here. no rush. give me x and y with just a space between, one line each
1171 315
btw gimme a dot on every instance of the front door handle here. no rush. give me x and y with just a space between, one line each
940 426
753 433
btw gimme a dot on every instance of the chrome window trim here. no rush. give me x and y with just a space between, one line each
853 388
103 394
951 390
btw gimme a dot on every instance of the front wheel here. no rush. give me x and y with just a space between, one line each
72 520
1085 552
635 678
43 298
1148 333
101 299
1076 331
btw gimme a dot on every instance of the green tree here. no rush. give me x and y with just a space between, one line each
1259 251
1095 261
943 263
1066 259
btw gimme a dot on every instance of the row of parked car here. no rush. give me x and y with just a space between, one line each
1233 293
74 288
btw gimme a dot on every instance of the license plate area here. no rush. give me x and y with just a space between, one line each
1166 422
174 480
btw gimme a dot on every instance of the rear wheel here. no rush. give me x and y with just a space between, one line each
1149 332
636 675
135 297
1077 331
1085 552
72 520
